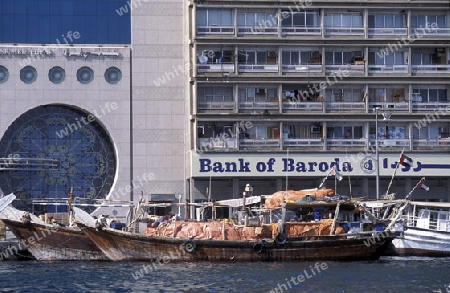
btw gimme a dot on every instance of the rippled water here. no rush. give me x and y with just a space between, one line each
393 274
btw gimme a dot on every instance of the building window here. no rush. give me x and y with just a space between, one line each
215 21
306 18
343 20
85 75
56 75
429 95
4 74
387 21
113 75
425 21
28 74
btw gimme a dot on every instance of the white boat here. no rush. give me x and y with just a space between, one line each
427 230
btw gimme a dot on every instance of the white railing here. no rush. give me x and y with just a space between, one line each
224 67
344 31
216 143
302 68
258 105
387 31
394 106
432 143
391 142
345 106
257 143
297 30
205 105
346 142
444 31
228 30
435 68
258 67
303 142
256 30
424 106
350 67
388 68
313 106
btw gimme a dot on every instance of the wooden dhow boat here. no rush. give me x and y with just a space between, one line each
45 241
310 228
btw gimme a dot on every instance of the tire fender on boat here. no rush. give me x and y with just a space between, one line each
189 246
280 239
258 247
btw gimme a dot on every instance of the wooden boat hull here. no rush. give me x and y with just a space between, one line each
47 242
121 245
422 242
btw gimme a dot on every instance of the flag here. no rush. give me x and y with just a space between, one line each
405 161
339 176
422 185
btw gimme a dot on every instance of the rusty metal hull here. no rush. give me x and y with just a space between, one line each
47 242
121 245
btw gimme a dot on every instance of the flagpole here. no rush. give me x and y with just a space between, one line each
323 180
395 171
423 178
335 184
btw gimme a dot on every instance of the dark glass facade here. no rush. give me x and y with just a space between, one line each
53 21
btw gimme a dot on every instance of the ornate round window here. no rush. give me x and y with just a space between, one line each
60 153
85 75
28 74
4 74
113 75
56 74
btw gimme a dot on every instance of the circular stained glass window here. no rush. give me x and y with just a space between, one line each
56 74
4 74
85 75
54 152
28 74
113 75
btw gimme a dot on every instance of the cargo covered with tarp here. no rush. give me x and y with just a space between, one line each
303 195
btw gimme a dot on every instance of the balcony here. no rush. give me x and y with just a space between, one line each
393 106
433 69
385 143
388 68
211 68
209 105
345 31
259 143
304 106
215 29
378 31
346 106
258 68
347 142
256 105
427 106
438 31
352 68
303 142
302 68
441 143
301 31
217 144
257 30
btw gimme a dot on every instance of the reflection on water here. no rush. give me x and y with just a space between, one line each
392 274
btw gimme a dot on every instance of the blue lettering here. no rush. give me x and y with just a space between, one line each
323 166
230 167
311 166
205 165
347 167
243 166
260 167
288 163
